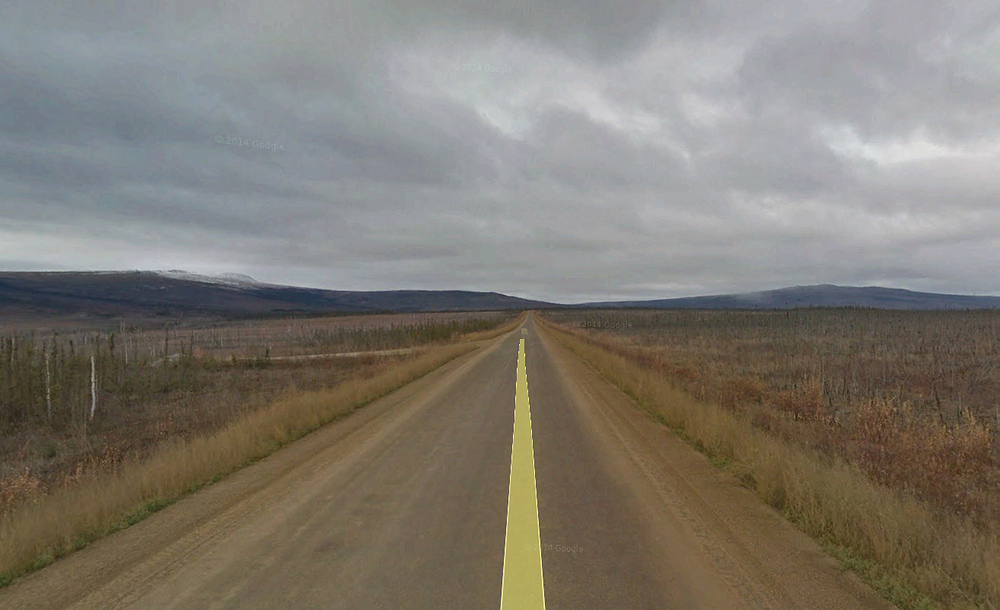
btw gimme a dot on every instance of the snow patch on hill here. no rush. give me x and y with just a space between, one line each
225 279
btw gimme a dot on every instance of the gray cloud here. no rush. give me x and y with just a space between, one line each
571 151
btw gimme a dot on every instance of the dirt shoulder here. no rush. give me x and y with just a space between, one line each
165 539
760 557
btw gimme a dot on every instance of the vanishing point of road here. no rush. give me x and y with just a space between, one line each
513 477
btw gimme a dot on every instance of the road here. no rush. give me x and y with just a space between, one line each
424 500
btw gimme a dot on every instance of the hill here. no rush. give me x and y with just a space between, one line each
145 294
823 295
179 294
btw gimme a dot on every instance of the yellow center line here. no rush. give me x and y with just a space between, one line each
522 587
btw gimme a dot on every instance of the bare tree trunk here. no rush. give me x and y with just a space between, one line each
48 387
93 387
937 399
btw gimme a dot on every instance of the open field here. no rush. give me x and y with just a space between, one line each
845 399
121 488
144 340
429 469
911 397
211 377
411 503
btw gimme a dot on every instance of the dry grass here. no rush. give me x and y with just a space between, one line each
283 337
909 397
202 400
70 517
911 552
112 489
944 362
142 405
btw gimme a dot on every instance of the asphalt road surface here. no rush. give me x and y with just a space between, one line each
434 498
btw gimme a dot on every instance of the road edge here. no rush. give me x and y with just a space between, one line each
886 582
382 386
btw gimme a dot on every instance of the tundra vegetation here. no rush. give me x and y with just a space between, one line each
165 427
876 431
178 382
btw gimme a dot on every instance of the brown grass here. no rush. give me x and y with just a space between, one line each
203 400
142 405
121 490
96 505
909 397
284 337
908 549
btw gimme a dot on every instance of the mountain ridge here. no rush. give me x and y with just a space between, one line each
176 293
156 294
815 295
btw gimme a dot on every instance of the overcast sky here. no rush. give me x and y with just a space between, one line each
567 150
